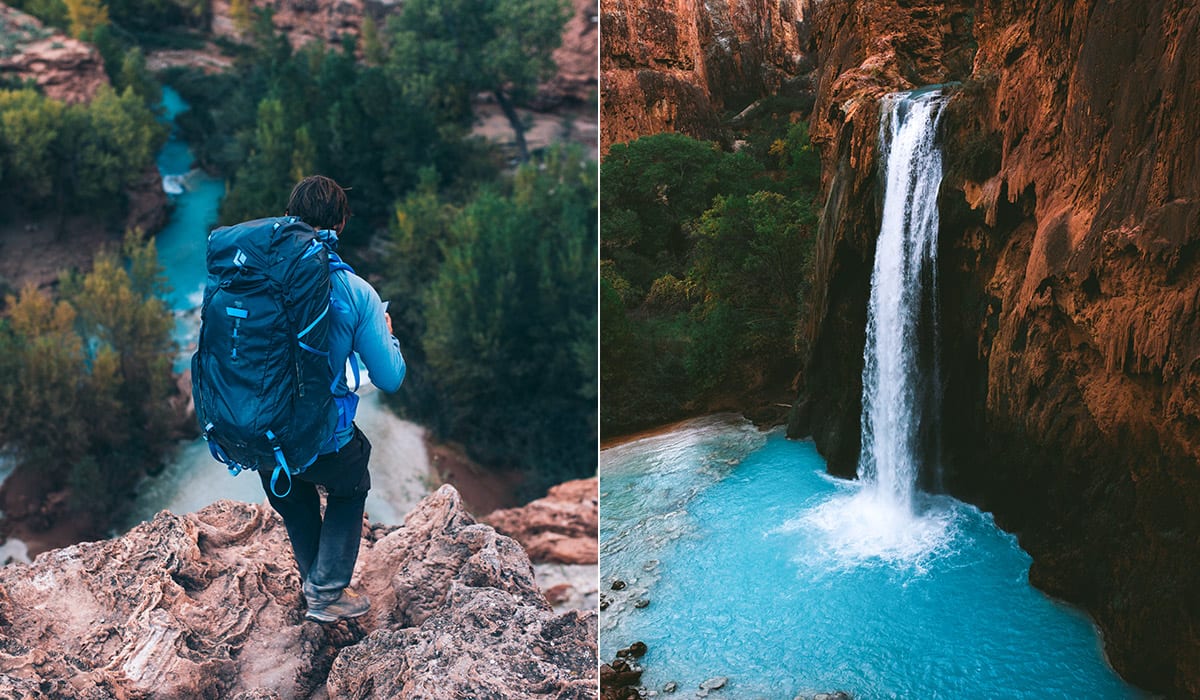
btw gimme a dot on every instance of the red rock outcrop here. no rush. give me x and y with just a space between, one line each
1070 286
64 68
577 58
562 528
676 66
208 605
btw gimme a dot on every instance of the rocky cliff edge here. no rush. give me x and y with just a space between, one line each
208 605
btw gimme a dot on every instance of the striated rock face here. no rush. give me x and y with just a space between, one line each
208 605
1069 282
561 528
678 65
64 68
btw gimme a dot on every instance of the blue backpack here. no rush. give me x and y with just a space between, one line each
261 379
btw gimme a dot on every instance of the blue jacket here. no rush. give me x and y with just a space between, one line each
357 324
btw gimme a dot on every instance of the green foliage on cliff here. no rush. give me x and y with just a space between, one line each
500 307
84 379
706 259
74 157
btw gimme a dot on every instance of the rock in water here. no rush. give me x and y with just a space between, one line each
208 605
714 683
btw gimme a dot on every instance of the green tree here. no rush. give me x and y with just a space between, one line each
108 145
123 313
136 77
511 323
243 18
373 50
29 126
502 47
652 189
264 181
86 16
41 399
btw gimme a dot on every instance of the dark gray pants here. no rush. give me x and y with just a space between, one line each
326 550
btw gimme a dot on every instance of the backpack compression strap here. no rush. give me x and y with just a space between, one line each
281 466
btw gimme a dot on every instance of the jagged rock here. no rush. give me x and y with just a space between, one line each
208 605
563 527
714 683
64 68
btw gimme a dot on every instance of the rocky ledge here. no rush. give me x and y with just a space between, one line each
64 68
561 528
208 605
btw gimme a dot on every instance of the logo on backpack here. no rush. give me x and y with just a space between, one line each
261 379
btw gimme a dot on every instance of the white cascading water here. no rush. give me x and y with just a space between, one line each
896 381
876 520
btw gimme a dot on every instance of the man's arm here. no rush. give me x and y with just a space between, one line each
373 339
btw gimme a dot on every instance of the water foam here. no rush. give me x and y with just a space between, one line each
864 528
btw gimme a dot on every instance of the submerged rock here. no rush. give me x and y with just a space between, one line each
714 683
636 650
208 605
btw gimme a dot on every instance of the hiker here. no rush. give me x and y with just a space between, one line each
335 450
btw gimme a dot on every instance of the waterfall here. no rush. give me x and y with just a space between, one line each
901 394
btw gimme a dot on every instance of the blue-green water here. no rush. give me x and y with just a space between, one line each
195 197
762 568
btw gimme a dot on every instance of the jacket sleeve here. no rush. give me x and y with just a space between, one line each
379 349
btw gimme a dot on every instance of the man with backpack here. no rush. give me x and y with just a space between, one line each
282 315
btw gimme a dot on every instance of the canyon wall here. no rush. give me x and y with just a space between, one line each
680 65
1070 287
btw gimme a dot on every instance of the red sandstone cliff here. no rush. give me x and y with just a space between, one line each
679 65
1070 286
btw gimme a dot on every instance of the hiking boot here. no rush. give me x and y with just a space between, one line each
347 607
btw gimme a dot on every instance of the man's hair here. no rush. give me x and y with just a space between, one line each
319 202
